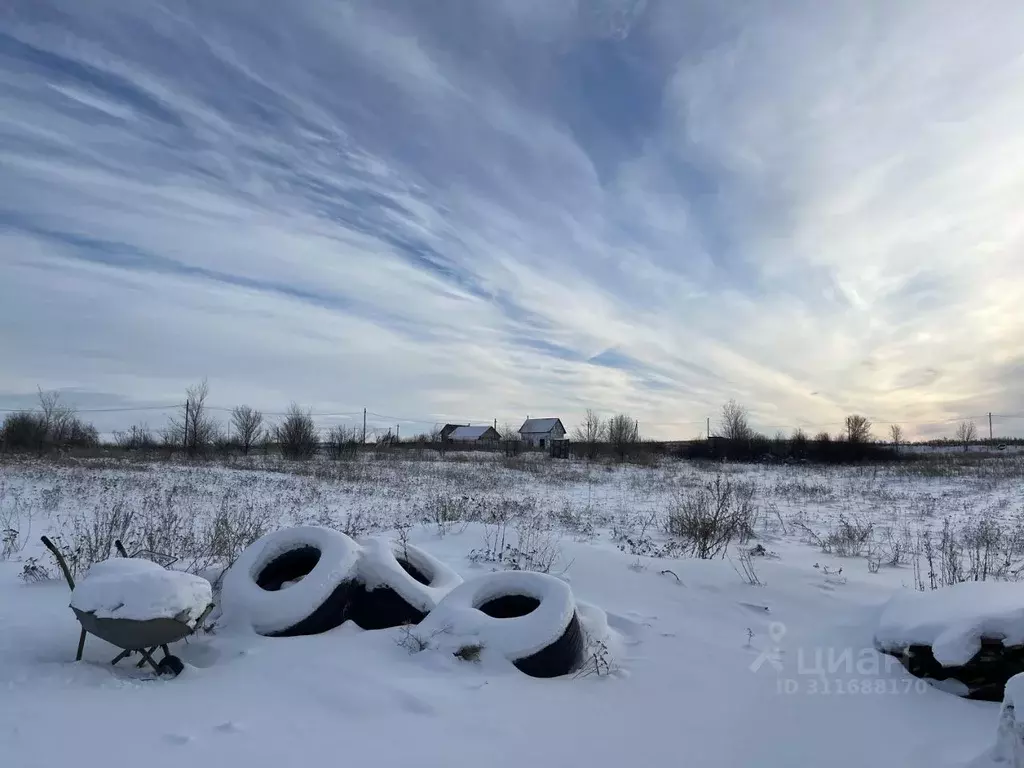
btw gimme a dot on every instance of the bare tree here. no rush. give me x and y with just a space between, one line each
509 432
735 424
590 434
248 424
623 434
194 429
798 442
966 433
896 435
57 417
858 429
136 438
297 434
62 425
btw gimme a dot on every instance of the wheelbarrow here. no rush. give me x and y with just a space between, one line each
141 636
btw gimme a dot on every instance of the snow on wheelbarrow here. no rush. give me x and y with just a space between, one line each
138 606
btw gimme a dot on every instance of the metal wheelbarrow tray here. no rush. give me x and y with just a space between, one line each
142 636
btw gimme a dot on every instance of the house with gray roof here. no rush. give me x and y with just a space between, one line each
540 432
473 435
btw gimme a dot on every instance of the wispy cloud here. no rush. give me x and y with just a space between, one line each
452 211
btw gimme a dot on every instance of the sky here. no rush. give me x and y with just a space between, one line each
465 210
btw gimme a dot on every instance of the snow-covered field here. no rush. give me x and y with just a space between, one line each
701 667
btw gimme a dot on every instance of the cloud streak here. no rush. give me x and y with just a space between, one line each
512 208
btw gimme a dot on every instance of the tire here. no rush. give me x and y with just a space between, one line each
399 585
170 665
529 618
296 581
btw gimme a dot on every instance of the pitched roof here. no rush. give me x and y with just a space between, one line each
468 433
539 425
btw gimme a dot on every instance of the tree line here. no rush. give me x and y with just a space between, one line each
195 432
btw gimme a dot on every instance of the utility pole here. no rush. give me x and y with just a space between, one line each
364 426
184 442
990 425
707 434
398 432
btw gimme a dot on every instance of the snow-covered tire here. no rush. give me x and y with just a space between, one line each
296 581
399 584
529 618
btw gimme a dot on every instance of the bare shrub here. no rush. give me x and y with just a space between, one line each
33 571
444 511
297 435
623 435
597 662
247 424
138 437
746 569
54 425
848 538
88 537
632 534
533 548
709 517
979 550
169 524
342 442
24 431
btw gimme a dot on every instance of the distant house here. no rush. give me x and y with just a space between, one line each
473 435
540 432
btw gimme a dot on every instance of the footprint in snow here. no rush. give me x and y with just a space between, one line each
180 739
229 726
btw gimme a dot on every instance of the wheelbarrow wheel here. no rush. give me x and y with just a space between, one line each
171 665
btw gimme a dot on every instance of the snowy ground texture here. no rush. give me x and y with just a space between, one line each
696 666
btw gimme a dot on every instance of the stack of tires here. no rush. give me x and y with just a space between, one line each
308 580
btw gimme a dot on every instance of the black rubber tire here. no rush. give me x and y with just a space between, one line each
405 584
331 613
381 608
288 566
171 665
560 658
502 610
294 581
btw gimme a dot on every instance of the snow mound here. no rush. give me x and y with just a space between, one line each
379 567
273 610
1009 747
459 620
128 588
953 620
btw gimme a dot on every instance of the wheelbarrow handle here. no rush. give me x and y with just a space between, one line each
60 560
